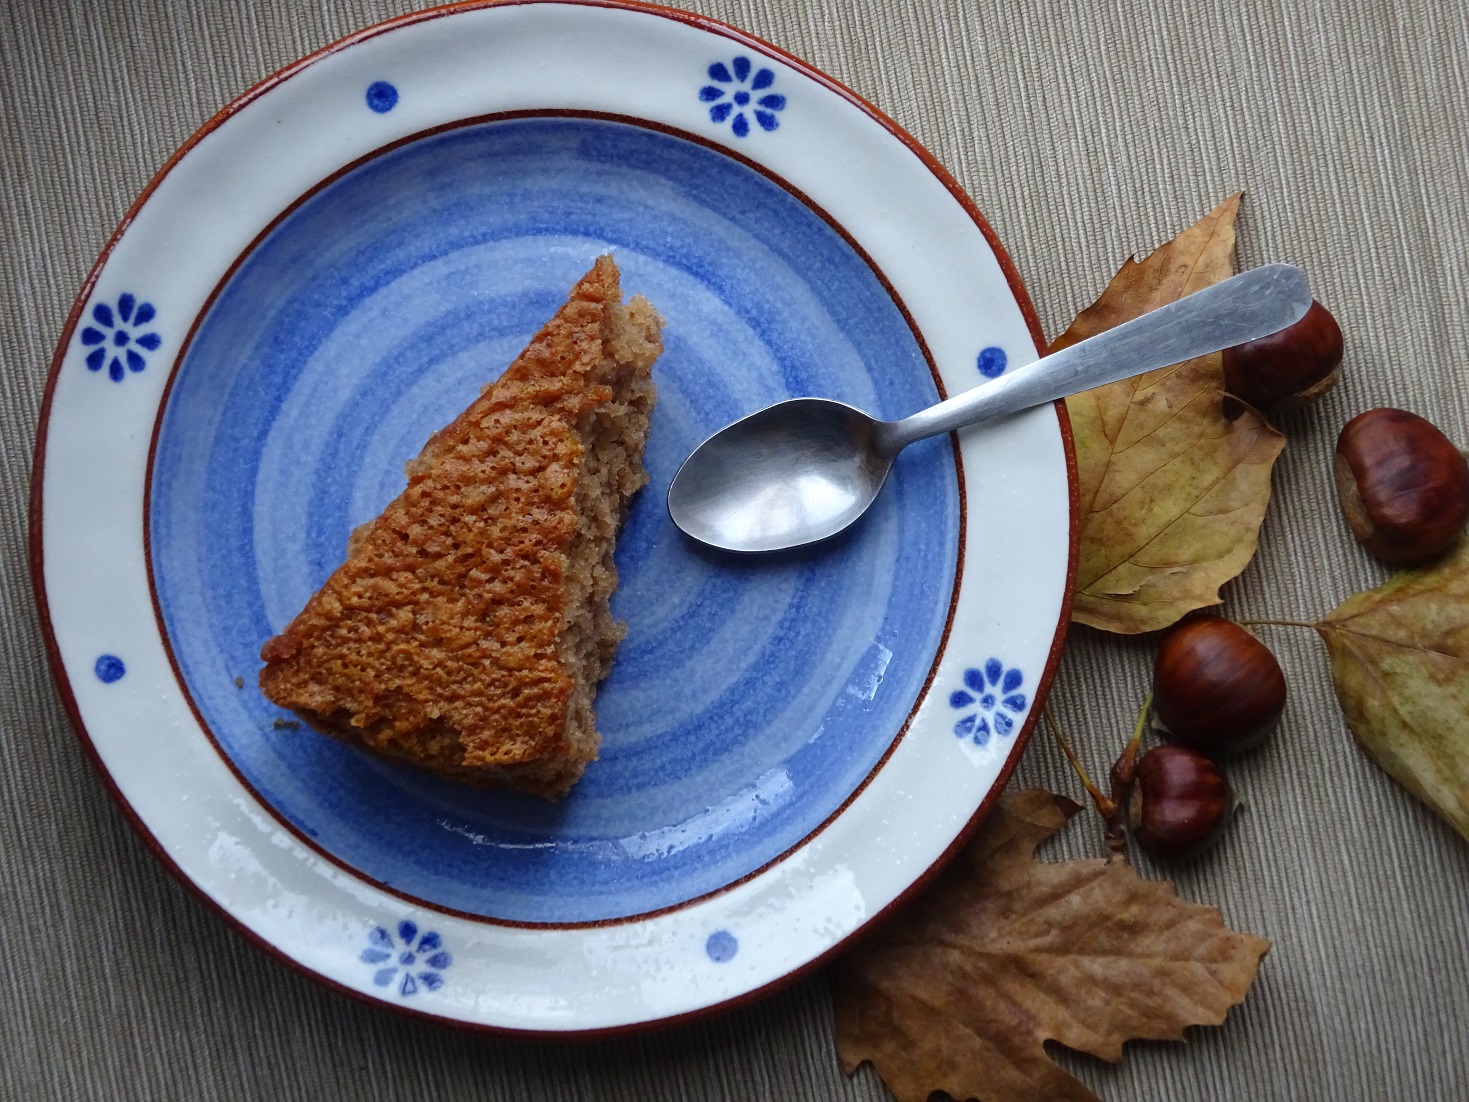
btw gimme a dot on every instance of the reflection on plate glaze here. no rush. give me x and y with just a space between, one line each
990 701
740 87
119 334
728 817
738 812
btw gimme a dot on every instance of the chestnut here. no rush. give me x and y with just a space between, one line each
1288 369
1180 803
1216 687
1403 486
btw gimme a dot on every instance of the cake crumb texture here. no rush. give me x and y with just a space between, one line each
469 627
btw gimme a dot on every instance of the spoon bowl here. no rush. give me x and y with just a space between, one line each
787 475
804 469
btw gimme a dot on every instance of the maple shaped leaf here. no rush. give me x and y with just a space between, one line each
1172 490
960 992
1400 665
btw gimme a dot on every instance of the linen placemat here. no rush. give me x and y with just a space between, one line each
1085 130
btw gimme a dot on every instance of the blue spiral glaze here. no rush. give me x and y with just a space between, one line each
750 697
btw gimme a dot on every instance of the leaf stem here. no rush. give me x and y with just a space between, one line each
1107 808
1124 772
1278 624
1092 789
1137 728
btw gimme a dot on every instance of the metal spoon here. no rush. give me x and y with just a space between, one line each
804 469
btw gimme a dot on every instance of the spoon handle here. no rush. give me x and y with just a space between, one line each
1242 308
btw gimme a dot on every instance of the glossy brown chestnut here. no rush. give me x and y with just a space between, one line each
1288 369
1181 802
1403 486
1216 687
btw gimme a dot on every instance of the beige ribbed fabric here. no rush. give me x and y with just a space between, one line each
1085 130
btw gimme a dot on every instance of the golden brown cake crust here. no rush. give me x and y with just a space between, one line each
442 639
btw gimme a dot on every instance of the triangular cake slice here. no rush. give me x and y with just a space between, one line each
469 627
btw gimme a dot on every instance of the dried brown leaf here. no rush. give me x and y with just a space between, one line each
960 991
1172 491
1400 663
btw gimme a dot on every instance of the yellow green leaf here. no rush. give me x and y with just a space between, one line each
1172 491
1400 664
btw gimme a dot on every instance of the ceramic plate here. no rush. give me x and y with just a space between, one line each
327 273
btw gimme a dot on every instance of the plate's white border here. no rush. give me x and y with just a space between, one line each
90 465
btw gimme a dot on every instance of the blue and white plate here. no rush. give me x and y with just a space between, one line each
328 273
